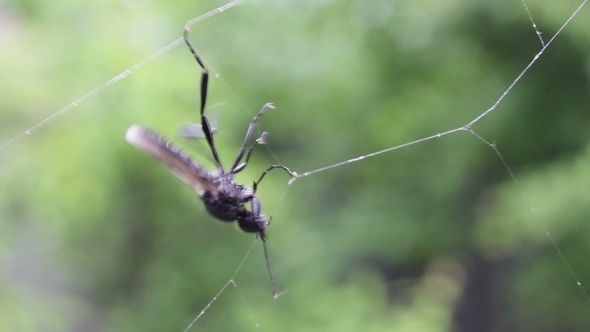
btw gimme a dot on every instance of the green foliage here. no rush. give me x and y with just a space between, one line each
435 236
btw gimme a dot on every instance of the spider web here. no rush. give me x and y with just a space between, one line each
468 128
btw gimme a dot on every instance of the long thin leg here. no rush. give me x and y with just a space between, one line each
204 84
235 168
272 279
259 140
285 168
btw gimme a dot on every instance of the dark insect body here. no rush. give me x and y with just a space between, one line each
223 198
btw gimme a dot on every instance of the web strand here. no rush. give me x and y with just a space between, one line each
467 127
526 69
122 75
534 211
230 282
533 23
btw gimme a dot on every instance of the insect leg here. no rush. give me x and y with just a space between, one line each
235 167
272 279
204 84
285 168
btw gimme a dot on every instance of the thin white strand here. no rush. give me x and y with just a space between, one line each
534 24
122 75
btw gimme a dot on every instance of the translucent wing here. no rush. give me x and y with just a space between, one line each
176 161
194 130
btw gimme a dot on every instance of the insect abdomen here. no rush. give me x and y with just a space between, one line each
222 207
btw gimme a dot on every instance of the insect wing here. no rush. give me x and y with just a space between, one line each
190 130
176 161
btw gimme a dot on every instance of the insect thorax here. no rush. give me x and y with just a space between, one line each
228 203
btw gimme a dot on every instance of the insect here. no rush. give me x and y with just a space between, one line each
223 198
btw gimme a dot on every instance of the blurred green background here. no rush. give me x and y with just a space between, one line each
435 236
